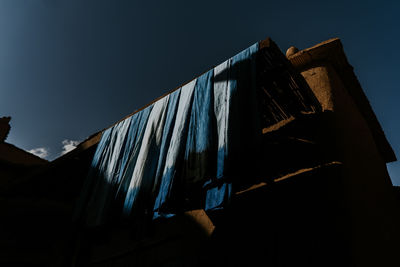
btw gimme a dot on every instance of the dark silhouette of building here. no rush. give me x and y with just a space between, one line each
318 194
14 162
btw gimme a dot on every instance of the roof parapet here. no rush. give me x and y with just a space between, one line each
331 52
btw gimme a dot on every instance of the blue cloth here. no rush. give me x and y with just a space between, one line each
192 138
160 177
131 152
199 148
237 122
143 176
109 174
176 146
107 162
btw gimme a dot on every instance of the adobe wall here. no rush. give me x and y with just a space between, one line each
372 212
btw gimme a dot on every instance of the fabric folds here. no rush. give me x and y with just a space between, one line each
143 175
238 127
184 147
173 160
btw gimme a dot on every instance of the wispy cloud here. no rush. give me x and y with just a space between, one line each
68 145
41 152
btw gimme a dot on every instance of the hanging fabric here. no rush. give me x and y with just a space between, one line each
185 148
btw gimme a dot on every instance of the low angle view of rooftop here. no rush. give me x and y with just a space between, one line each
259 156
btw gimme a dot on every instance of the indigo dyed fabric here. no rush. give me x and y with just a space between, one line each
142 178
131 153
114 157
107 165
191 139
237 122
200 150
173 161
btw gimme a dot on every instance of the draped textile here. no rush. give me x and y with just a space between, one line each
176 146
191 139
236 112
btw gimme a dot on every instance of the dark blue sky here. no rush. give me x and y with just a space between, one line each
69 68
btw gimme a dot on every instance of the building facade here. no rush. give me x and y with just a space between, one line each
307 177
